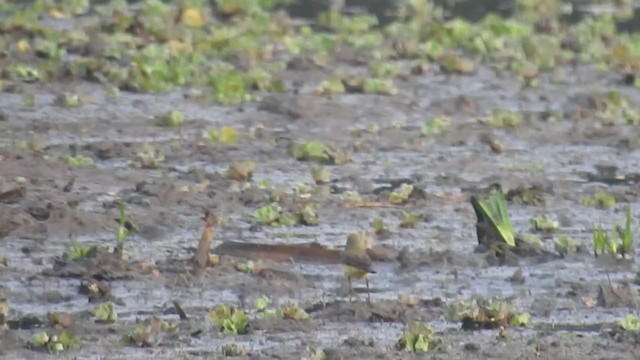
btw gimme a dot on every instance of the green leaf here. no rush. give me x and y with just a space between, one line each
627 236
494 206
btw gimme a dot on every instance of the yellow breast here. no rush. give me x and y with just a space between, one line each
353 272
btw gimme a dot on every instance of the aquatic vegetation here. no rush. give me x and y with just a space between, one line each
544 223
173 118
226 135
68 100
233 350
629 323
417 338
526 196
230 320
600 200
485 314
291 311
125 228
321 175
565 245
504 118
409 219
79 160
105 313
148 158
268 214
53 343
436 125
619 243
319 152
146 333
241 170
401 195
491 209
378 226
79 252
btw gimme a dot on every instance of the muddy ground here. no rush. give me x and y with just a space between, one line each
561 295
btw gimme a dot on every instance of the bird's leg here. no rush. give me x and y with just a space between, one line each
368 292
350 289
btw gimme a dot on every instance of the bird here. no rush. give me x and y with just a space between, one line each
356 261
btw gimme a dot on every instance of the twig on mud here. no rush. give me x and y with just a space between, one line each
201 257
180 311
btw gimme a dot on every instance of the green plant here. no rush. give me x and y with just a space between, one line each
79 160
565 245
416 338
401 195
544 223
105 313
230 321
54 343
619 243
600 200
78 251
629 323
173 118
226 135
268 214
492 207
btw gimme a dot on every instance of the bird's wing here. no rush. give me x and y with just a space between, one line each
358 261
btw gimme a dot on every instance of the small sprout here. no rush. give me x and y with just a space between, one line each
39 339
379 87
321 175
565 245
629 323
246 267
261 303
269 214
544 223
351 197
378 226
619 244
531 239
145 333
241 170
291 311
173 118
487 313
409 219
125 227
331 86
436 125
525 196
379 69
149 157
230 321
105 313
79 252
79 160
25 73
233 350
600 200
504 118
492 206
319 152
417 338
67 100
303 191
309 215
226 135
401 195
28 99
452 63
